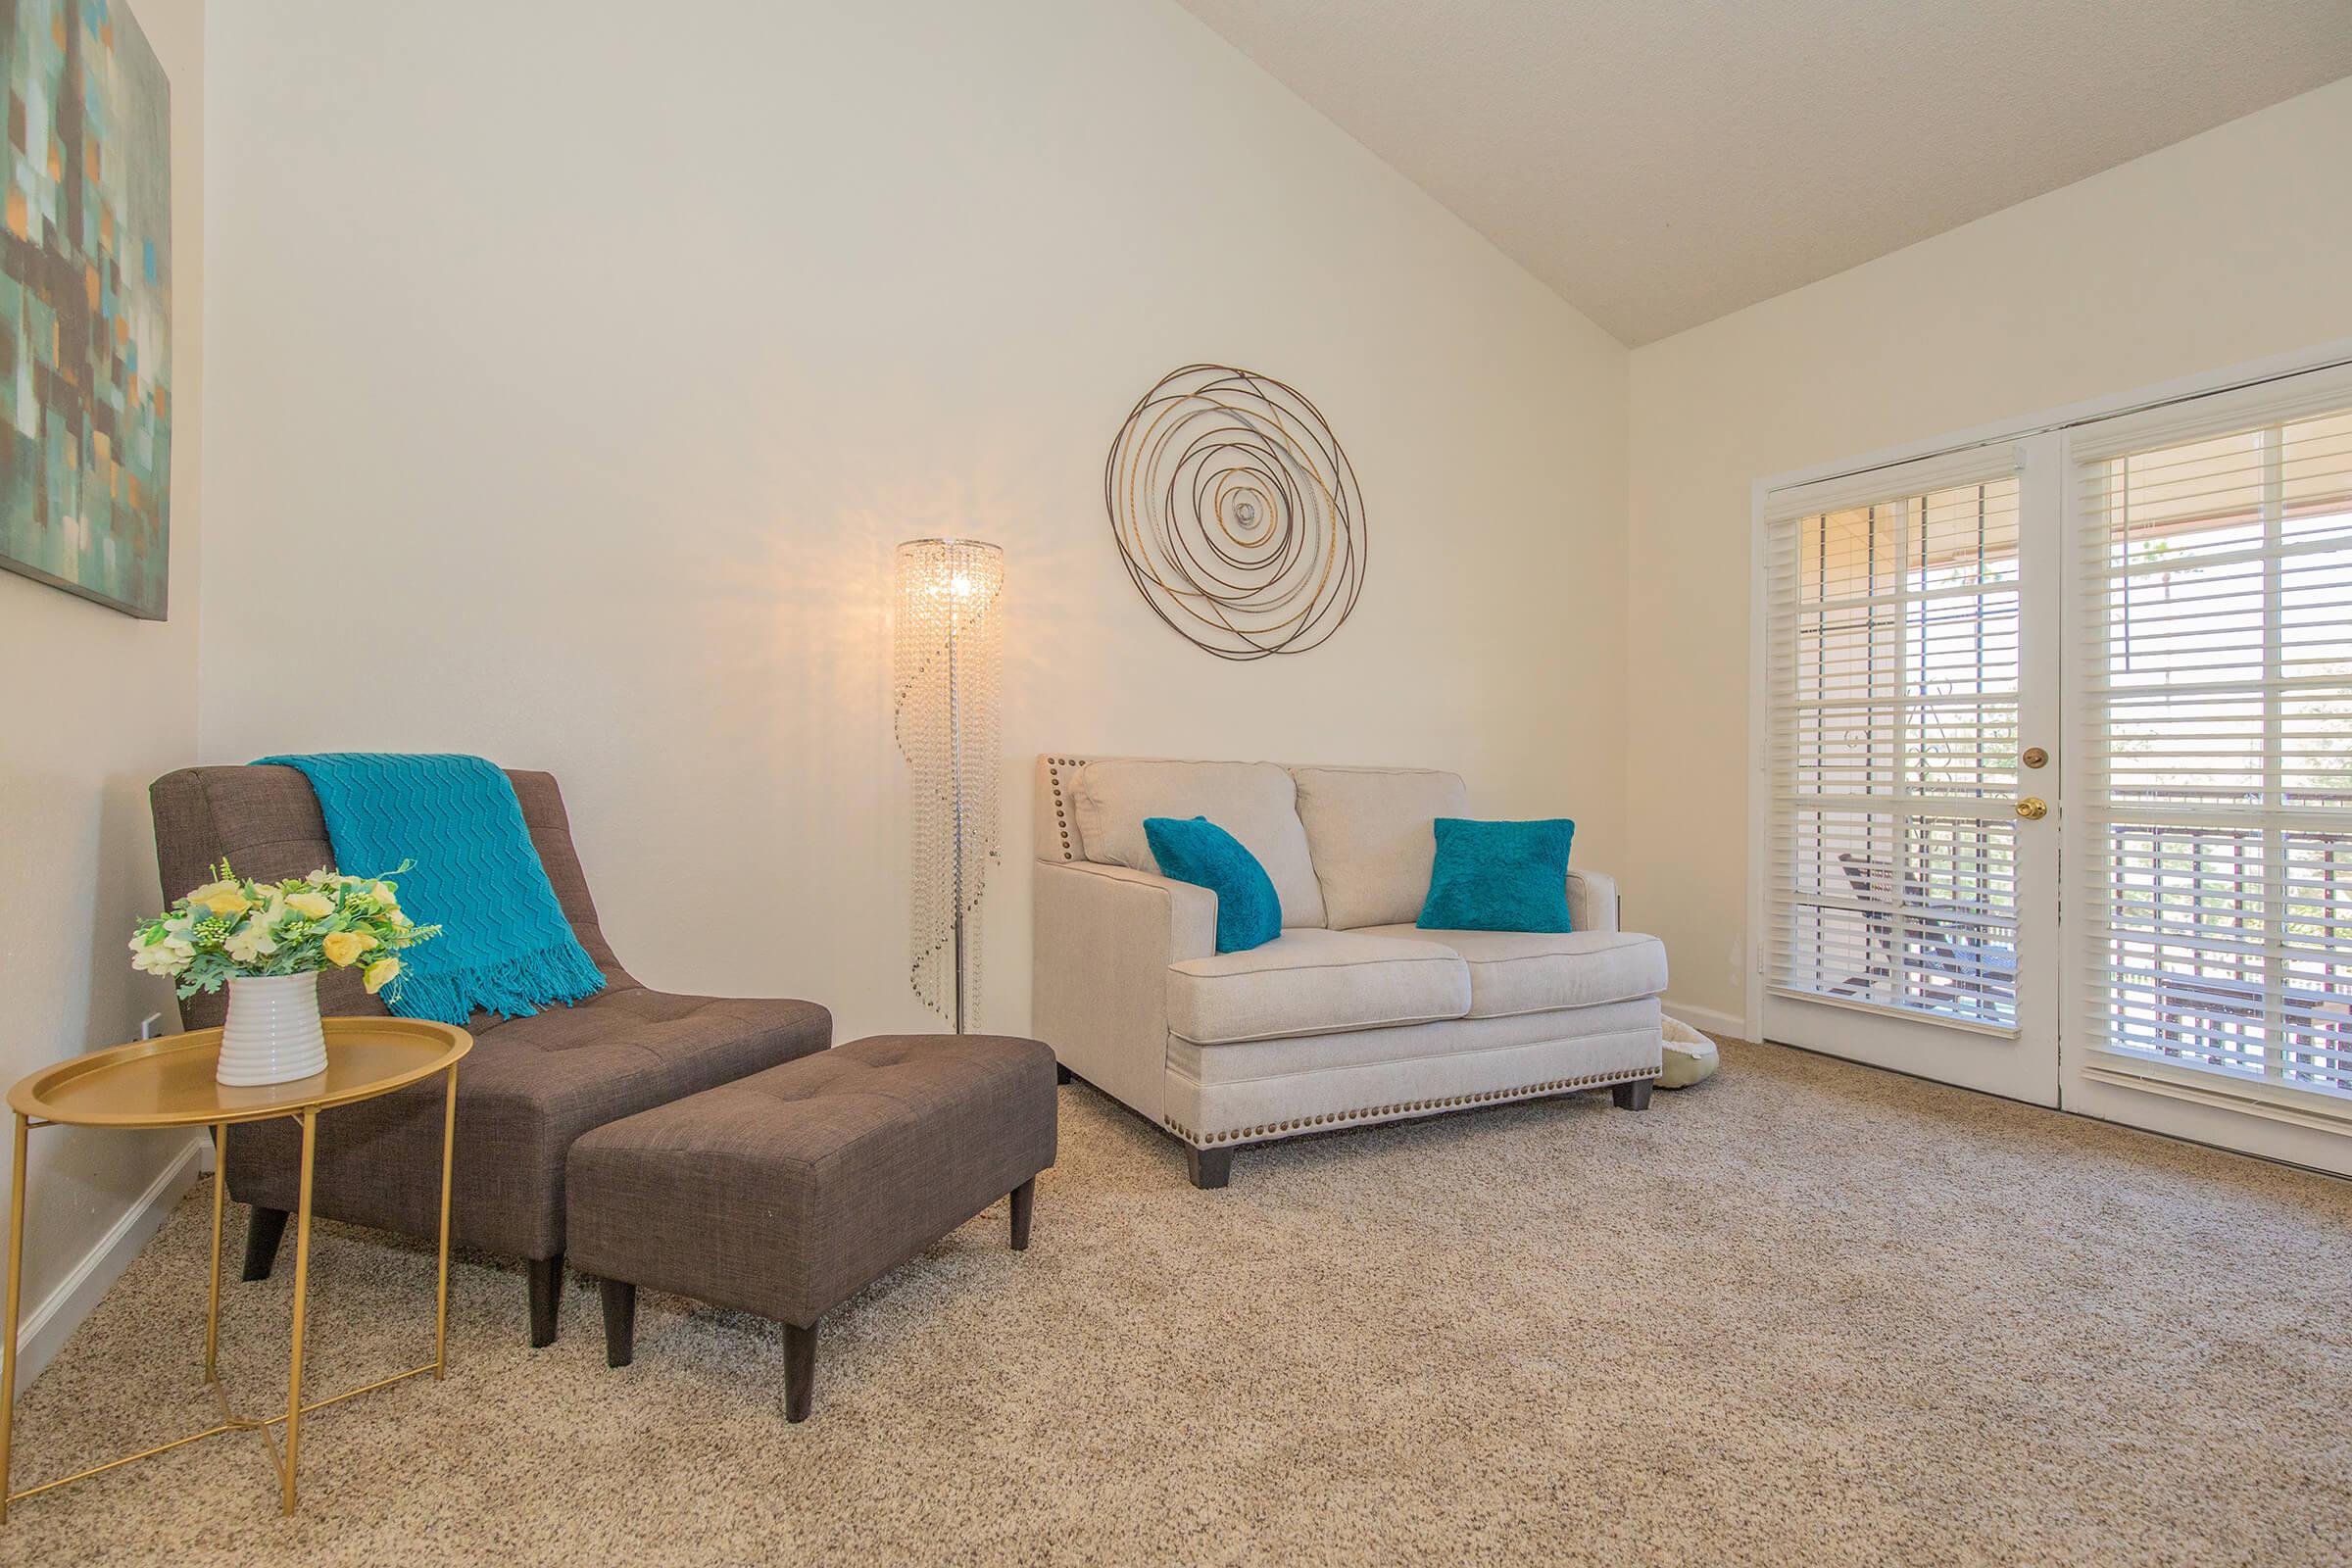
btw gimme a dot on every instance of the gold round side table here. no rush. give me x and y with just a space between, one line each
169 1083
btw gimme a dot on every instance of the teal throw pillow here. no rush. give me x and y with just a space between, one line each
1499 877
1199 852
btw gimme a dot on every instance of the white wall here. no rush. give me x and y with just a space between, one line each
578 367
96 705
2222 249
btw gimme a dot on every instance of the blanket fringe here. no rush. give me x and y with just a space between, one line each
513 987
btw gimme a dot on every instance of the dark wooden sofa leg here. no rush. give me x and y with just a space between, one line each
1634 1096
263 1228
1061 1074
620 1321
547 1289
800 1370
1208 1167
1024 1204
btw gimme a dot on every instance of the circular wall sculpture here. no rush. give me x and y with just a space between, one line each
1236 511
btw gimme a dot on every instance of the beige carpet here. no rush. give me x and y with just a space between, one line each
1804 1313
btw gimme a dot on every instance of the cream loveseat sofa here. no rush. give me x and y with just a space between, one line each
1352 1015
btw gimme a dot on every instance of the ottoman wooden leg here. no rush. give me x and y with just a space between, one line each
621 1322
1061 1074
1634 1096
1208 1167
1024 1203
800 1370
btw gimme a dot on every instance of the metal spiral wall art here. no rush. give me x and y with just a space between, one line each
1237 514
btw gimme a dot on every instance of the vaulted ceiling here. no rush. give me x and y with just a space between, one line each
1660 163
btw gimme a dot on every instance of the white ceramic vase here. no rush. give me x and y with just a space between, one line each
272 1035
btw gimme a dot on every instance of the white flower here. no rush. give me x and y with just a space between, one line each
252 942
166 955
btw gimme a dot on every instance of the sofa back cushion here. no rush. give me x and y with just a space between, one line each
1370 833
1254 801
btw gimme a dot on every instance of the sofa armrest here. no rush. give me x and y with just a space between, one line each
1591 900
1103 938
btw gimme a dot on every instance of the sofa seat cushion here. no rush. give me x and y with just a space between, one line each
1514 972
1310 982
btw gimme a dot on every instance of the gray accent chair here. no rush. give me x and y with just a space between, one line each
530 1086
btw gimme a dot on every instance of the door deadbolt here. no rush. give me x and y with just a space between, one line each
2032 807
2036 756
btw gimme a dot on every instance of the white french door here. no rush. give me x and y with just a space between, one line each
2056 773
1910 776
2208 887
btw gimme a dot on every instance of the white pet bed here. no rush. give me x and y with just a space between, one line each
1690 1056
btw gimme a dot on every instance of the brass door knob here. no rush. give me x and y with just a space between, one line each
2032 807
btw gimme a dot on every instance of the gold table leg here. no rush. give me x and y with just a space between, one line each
449 1149
15 1283
212 1311
302 1285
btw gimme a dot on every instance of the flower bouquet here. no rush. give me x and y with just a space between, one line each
267 942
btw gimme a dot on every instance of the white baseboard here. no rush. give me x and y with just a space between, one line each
48 1326
1707 1019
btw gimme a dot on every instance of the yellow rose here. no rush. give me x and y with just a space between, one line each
377 974
385 895
310 905
341 947
220 898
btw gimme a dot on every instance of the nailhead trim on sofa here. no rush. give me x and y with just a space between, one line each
1062 802
1404 1107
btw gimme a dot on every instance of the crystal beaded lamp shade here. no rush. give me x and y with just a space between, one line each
947 655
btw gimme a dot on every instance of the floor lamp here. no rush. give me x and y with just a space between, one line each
947 662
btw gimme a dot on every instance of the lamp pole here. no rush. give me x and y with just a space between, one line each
955 793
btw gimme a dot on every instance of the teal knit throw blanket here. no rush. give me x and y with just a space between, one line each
504 945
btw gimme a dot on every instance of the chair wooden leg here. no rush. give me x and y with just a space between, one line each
620 1321
1208 1167
547 1290
1634 1096
1024 1204
264 1228
800 1370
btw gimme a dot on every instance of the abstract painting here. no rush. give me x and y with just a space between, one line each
85 304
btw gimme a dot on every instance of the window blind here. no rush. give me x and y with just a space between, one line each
2209 838
1892 651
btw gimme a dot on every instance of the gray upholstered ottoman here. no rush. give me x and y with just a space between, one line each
786 1193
